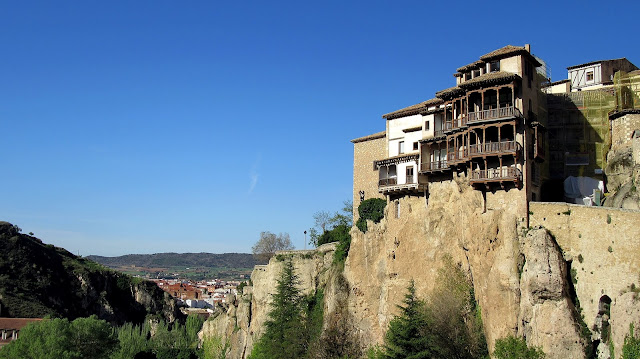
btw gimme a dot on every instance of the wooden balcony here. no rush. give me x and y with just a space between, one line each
436 166
390 185
451 125
496 175
493 114
494 149
461 155
387 181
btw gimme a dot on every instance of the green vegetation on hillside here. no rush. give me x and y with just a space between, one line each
447 325
38 279
631 347
516 348
93 338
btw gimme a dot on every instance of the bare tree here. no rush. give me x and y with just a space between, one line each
269 243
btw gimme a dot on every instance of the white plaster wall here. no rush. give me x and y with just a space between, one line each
428 133
402 171
578 76
395 133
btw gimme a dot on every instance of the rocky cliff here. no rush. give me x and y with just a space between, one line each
521 259
38 279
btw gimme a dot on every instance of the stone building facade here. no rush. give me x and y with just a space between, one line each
365 178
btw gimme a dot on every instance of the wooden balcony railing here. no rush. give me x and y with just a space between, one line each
494 113
490 148
438 133
434 166
455 123
388 181
496 174
458 156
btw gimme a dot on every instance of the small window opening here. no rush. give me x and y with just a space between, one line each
589 75
401 147
415 146
494 66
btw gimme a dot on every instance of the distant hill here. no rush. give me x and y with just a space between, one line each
225 260
38 279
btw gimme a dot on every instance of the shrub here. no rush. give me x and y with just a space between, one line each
370 209
631 347
516 348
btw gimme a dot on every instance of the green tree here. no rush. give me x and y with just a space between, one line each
284 337
134 339
325 225
93 338
59 338
48 339
370 209
408 335
516 348
631 346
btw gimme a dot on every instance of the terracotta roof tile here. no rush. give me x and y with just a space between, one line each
449 92
489 78
370 137
16 323
507 51
413 109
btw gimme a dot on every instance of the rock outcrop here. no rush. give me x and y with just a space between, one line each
527 281
40 279
240 324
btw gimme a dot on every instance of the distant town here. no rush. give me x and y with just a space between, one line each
200 297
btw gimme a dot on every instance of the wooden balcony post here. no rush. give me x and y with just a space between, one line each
499 138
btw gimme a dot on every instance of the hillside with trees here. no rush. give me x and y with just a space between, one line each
212 260
38 279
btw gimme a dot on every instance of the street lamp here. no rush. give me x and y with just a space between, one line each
305 240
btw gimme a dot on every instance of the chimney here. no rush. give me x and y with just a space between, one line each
527 47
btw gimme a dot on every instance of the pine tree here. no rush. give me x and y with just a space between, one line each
285 336
408 335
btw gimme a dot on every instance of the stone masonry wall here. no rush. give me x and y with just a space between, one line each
602 245
365 178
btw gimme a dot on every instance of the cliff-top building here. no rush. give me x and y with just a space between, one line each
487 128
490 129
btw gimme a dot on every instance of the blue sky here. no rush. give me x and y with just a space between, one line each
155 126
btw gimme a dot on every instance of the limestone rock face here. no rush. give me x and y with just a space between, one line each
241 323
519 274
547 315
624 312
623 163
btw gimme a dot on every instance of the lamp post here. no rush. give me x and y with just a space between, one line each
305 240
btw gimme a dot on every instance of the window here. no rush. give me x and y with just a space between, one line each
467 76
426 125
410 175
494 66
401 147
476 73
589 75
415 146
